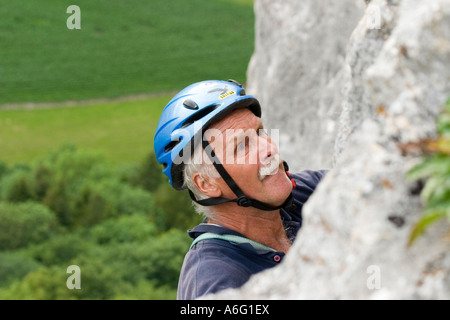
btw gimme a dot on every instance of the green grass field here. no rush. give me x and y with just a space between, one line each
123 47
122 131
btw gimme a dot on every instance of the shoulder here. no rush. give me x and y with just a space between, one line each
209 267
308 178
306 182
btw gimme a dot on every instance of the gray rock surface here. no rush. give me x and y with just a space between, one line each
296 72
395 81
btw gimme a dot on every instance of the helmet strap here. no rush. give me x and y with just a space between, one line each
241 200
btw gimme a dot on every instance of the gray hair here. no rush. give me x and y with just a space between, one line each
199 163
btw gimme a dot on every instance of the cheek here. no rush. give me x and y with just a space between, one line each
245 176
247 171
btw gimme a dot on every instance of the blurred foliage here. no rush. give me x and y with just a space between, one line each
125 228
24 223
171 207
81 188
435 168
133 228
15 265
144 174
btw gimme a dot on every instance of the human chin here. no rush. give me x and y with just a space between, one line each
279 180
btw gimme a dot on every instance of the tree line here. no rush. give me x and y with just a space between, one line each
123 226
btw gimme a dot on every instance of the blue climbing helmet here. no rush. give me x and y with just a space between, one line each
182 124
188 114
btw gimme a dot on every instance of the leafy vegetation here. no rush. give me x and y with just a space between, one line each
72 207
435 168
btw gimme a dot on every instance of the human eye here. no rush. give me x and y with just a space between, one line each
243 145
262 132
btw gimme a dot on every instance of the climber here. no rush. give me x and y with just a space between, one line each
211 141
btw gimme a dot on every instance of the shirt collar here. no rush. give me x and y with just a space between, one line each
208 227
290 226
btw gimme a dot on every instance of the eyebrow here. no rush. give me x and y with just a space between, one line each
258 125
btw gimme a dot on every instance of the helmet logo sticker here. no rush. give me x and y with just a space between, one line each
223 92
227 94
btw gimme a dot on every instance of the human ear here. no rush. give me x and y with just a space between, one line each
206 185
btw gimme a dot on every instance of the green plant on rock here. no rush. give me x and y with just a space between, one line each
435 168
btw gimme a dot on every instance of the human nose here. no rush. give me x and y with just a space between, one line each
267 149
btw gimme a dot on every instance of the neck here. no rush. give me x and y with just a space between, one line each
261 226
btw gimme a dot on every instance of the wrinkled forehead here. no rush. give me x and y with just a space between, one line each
238 119
227 131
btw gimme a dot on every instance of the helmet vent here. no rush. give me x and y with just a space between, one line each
190 104
199 115
171 145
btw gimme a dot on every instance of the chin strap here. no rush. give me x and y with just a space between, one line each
242 200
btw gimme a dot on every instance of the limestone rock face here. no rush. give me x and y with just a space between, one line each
297 70
389 80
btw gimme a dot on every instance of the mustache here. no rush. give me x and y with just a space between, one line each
271 167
